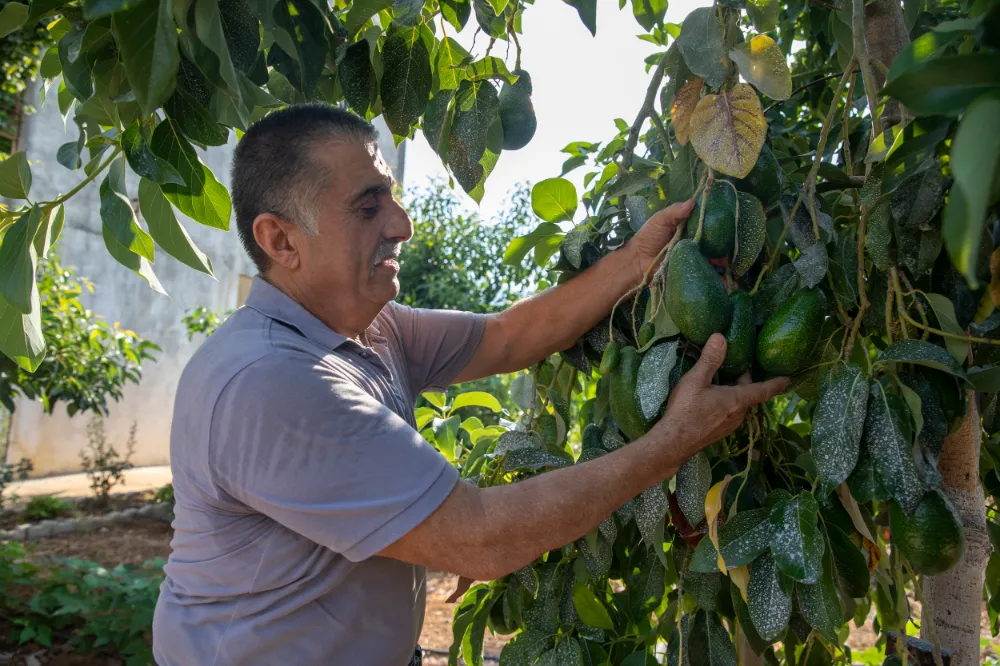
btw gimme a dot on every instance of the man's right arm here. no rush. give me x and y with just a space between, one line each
486 533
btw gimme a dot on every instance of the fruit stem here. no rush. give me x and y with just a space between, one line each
701 213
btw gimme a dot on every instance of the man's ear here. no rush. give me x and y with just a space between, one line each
278 238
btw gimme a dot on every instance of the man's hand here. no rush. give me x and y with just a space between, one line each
699 413
656 233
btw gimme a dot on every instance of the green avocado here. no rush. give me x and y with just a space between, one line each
622 399
517 114
609 360
789 335
718 232
764 180
696 300
646 333
741 336
931 539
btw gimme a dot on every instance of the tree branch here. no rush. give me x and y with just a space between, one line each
864 61
644 111
804 87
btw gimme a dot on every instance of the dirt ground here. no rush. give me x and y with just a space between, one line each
143 540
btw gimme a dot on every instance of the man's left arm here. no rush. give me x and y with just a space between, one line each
554 319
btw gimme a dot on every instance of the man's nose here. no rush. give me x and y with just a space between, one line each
400 227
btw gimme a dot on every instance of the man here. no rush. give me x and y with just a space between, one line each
307 503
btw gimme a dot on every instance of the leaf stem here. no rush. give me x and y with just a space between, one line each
804 87
86 181
890 297
910 320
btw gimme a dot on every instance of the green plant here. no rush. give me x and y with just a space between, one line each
45 507
203 321
164 494
88 361
82 604
10 472
102 464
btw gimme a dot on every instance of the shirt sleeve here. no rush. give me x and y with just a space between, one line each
437 344
309 448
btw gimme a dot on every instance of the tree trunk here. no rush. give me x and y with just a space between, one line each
886 35
953 601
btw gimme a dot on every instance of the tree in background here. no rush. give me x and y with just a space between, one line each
454 260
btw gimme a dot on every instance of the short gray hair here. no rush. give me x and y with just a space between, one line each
273 170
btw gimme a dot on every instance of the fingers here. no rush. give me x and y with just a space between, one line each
753 394
712 356
674 214
744 379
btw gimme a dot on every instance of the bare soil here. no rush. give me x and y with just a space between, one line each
83 508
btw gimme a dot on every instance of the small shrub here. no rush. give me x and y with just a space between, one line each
164 495
10 473
45 507
103 465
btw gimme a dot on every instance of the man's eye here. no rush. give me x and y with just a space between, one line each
369 211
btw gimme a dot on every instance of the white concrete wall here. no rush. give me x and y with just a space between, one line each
53 442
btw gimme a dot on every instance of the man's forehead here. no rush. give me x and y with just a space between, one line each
353 163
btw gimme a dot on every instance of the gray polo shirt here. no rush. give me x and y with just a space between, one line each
295 459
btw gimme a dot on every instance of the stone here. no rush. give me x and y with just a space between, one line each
41 530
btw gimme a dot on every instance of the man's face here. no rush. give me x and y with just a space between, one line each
360 226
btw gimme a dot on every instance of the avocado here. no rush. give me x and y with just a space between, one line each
740 336
622 399
646 333
790 334
718 230
497 622
932 540
764 180
517 114
696 300
609 360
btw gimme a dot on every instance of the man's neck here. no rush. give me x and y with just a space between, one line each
348 316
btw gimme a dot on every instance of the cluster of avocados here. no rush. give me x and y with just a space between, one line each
517 113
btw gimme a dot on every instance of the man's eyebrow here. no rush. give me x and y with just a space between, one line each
380 188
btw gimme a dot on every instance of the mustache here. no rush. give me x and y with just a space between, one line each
386 250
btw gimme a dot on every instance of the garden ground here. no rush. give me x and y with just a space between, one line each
139 541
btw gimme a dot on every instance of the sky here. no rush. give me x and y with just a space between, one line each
580 82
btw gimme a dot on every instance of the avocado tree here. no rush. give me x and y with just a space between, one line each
843 155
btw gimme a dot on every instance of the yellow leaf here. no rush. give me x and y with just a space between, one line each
684 102
762 63
713 506
728 130
741 577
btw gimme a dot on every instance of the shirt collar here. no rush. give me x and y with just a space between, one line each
271 302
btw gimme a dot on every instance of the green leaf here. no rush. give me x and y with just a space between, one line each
750 233
476 399
95 9
525 648
742 538
819 602
945 85
117 214
465 614
456 12
889 443
700 43
406 79
844 268
147 39
361 11
879 236
694 479
769 598
975 163
653 383
985 380
476 109
76 71
435 398
50 230
202 197
650 510
679 643
797 543
920 352
554 200
813 264
762 64
193 119
587 9
130 260
522 391
12 17
764 14
944 310
446 435
709 642
142 160
590 609
15 176
448 58
648 13
851 568
489 67
18 259
530 460
357 78
167 231
211 50
21 337
925 47
838 423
